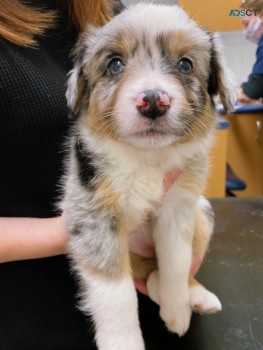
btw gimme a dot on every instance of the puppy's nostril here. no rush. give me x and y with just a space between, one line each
164 99
153 103
143 104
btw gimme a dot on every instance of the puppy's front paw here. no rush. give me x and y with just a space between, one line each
203 301
177 318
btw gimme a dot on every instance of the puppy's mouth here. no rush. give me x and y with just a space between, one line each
150 133
145 128
151 138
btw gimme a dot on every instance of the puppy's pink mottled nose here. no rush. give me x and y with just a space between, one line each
152 103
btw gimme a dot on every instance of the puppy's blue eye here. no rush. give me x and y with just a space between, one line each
185 66
116 66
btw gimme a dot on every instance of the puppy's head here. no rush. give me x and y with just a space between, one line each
148 77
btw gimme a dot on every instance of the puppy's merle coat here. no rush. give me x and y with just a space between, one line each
142 88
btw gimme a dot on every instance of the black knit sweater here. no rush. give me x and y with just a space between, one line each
37 297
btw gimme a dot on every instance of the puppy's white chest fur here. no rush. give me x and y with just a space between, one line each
137 176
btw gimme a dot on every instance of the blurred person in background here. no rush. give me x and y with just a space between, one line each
252 90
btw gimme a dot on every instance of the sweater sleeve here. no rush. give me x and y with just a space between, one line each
258 66
253 88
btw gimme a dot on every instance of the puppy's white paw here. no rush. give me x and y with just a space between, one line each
203 301
178 320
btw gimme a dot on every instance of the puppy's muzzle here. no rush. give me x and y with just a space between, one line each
153 103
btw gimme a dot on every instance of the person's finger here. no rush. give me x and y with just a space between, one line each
196 263
141 286
169 179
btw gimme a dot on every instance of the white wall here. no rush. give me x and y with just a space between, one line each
240 54
166 2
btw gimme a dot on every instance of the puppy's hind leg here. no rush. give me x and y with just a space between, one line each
201 299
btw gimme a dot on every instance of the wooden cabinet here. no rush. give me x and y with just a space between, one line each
245 151
213 14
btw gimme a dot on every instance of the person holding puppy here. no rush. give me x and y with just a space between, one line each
37 290
252 89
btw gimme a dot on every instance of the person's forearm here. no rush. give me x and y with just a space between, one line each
253 88
30 238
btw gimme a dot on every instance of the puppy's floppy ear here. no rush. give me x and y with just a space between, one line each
77 86
221 81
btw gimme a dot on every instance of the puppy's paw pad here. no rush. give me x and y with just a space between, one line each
203 301
178 322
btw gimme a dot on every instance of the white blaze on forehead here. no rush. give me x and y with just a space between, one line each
157 19
169 16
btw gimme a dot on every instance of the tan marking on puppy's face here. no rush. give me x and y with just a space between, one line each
100 115
130 56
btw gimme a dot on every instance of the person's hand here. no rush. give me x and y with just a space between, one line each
169 179
242 97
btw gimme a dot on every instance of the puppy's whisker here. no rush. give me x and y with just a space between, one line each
199 128
204 112
105 127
